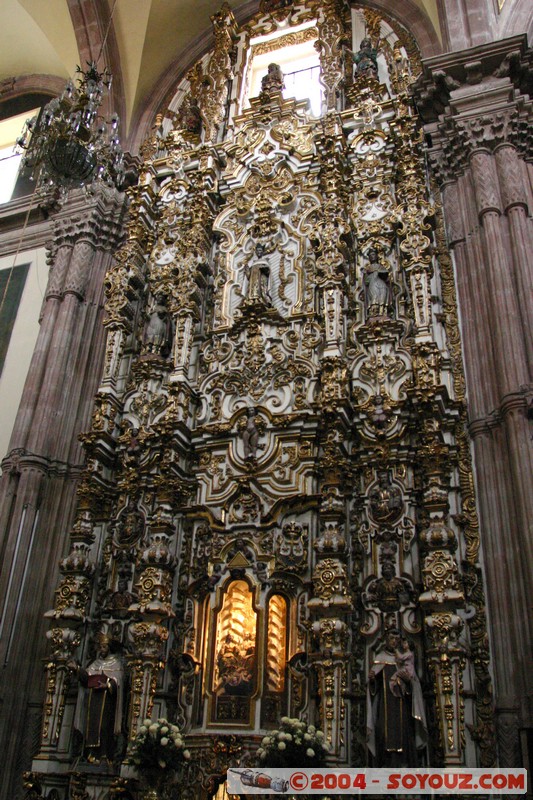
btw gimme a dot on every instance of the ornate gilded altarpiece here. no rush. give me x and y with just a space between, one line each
277 471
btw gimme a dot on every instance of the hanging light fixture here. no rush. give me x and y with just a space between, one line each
70 144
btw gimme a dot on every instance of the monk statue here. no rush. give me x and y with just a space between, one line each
99 711
396 720
259 279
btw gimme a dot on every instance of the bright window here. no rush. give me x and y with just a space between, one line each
10 130
299 62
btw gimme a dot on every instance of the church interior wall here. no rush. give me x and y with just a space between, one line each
245 517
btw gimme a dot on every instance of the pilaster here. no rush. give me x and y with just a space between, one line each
477 113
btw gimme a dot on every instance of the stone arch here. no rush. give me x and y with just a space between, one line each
17 86
94 31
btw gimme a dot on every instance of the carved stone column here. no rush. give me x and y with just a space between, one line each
477 112
213 97
332 33
148 639
442 598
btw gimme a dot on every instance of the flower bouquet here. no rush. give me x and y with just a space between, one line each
157 752
295 744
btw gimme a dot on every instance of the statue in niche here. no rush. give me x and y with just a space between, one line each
389 592
129 526
250 434
396 720
132 446
235 662
273 80
157 335
381 413
258 275
385 499
189 116
99 716
378 292
366 60
120 600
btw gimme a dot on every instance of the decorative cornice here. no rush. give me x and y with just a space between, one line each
441 75
476 100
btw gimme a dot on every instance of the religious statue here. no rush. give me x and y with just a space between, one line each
250 434
99 714
216 576
273 80
157 335
386 503
365 60
389 592
377 288
129 526
381 413
189 116
133 448
260 569
405 669
120 600
235 662
259 279
396 721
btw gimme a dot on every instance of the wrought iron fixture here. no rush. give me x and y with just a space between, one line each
69 144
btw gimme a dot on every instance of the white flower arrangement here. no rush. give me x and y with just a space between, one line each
158 745
295 744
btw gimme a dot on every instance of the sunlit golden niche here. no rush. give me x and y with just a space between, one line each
235 656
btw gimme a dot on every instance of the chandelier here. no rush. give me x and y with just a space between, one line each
69 144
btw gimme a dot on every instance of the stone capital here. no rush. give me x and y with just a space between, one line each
476 99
